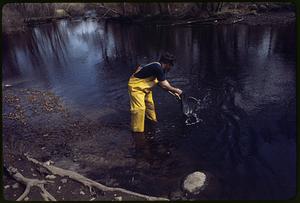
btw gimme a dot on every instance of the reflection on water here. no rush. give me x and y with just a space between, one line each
244 77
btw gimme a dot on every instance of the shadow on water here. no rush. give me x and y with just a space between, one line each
242 76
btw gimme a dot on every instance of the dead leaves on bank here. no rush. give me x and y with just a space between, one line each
33 102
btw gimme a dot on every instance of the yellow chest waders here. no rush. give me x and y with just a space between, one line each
141 101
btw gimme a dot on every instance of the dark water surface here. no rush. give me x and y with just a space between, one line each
245 77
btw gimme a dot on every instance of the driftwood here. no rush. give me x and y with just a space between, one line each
29 183
88 182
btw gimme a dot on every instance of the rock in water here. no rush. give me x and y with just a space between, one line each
194 182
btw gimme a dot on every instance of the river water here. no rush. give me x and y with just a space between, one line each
244 76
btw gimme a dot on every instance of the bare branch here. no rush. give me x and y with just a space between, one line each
88 182
30 183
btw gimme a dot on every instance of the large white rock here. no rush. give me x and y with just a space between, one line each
194 182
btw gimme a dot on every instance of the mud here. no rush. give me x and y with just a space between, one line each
37 122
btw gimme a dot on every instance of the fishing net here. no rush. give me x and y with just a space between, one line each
190 107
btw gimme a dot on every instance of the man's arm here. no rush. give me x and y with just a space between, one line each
167 86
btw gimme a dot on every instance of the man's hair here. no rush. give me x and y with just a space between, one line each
167 58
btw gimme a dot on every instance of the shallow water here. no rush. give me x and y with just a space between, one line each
243 76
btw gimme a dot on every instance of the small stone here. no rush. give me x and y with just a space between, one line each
26 198
118 198
93 198
194 182
43 148
115 195
46 135
64 180
59 187
81 192
15 186
49 162
34 175
6 186
50 177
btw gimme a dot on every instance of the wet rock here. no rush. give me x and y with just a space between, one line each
26 198
6 186
194 182
81 192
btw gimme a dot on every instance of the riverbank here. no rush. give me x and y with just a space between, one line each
251 18
36 123
247 13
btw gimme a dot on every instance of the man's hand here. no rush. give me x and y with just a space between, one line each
178 91
166 85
